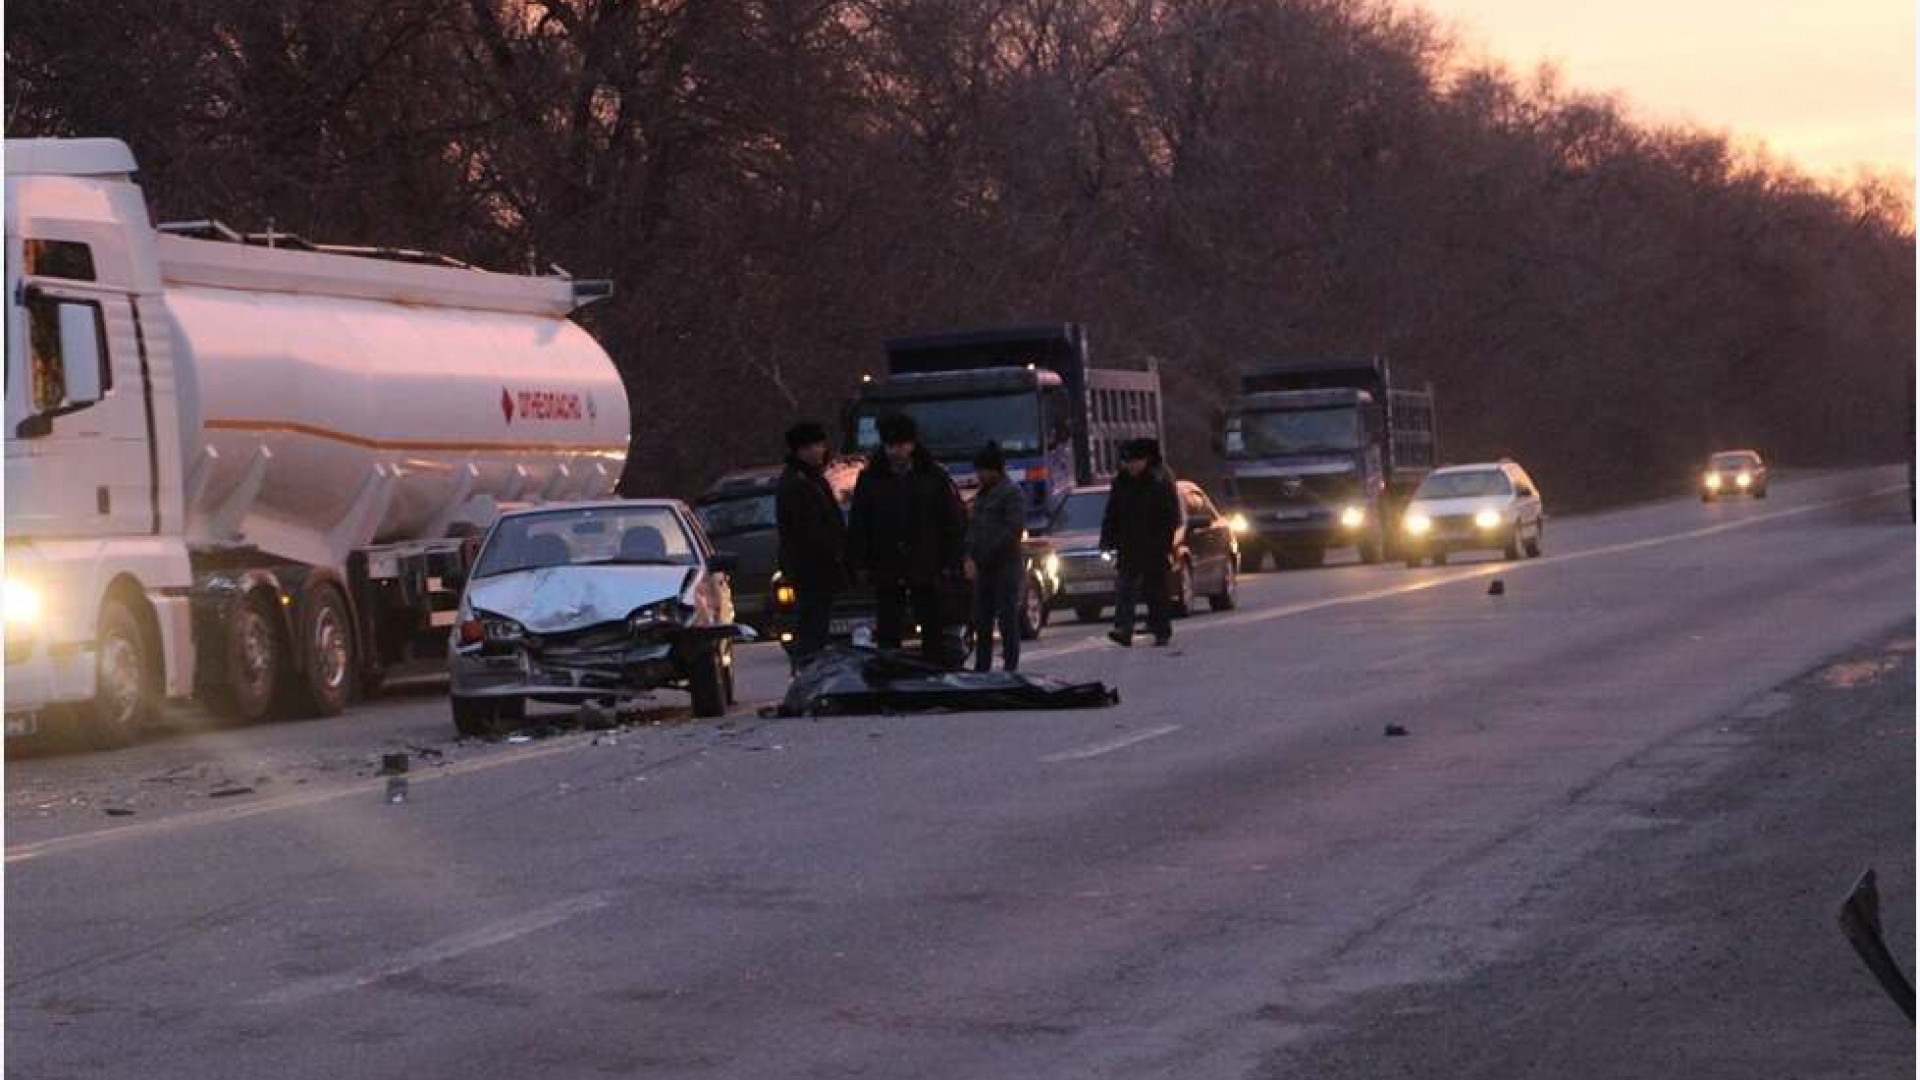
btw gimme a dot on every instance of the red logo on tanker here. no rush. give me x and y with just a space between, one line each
541 405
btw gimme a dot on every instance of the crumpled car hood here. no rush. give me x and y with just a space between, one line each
558 598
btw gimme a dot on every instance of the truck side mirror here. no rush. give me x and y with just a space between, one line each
80 350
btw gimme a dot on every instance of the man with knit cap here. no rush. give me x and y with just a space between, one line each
906 532
1143 518
995 528
813 537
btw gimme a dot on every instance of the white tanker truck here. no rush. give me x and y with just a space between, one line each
249 469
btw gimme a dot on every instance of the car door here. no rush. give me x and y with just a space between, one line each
1527 505
1205 539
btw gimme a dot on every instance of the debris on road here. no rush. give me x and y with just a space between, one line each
396 790
1395 731
393 764
854 681
594 717
229 792
117 811
1497 588
520 738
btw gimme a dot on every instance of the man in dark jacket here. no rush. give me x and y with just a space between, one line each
813 537
1142 521
905 532
995 527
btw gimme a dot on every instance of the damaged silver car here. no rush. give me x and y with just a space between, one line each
593 602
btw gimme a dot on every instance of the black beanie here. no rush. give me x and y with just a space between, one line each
897 428
805 433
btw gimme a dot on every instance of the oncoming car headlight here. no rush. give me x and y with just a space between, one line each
1419 524
1353 517
1051 564
22 603
1239 524
785 596
1487 519
1713 481
1744 479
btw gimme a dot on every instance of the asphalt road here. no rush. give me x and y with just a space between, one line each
1609 846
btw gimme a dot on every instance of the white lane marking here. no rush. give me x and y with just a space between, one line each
1110 745
1246 618
484 937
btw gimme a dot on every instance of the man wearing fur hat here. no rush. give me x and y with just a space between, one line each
1142 521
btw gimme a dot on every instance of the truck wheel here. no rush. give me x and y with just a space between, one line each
329 661
1228 596
126 696
708 684
486 717
1033 612
1088 612
251 676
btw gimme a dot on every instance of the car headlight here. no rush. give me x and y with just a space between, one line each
1713 481
1419 524
1106 556
1353 517
1487 519
1051 564
1239 524
785 596
490 628
1743 479
22 604
660 613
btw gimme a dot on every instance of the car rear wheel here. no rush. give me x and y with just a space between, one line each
1227 597
1183 595
487 717
709 683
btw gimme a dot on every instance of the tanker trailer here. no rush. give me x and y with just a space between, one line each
253 469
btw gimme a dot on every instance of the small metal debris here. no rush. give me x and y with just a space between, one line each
1497 588
396 790
519 738
117 811
593 717
1395 731
393 764
229 792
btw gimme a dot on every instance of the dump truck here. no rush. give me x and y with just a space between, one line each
1322 454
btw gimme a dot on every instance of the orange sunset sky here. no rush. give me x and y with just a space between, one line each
1829 85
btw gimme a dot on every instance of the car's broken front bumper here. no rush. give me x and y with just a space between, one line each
588 665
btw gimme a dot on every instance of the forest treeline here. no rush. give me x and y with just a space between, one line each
776 185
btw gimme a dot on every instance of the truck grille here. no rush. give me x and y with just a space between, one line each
1294 490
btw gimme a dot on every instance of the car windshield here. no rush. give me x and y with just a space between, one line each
1735 461
1294 431
1480 483
737 515
954 428
1081 512
637 536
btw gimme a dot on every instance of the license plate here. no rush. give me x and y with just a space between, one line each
1079 588
1292 515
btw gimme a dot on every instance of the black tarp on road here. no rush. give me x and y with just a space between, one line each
846 680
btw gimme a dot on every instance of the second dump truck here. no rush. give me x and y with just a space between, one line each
1323 454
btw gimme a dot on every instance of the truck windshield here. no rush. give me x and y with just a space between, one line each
639 536
1294 431
728 516
953 428
1478 484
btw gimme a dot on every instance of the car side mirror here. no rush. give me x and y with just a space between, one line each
723 562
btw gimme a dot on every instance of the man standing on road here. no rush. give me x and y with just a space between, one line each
1141 523
813 537
906 531
995 527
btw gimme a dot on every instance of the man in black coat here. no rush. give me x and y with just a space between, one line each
1141 524
906 532
813 537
